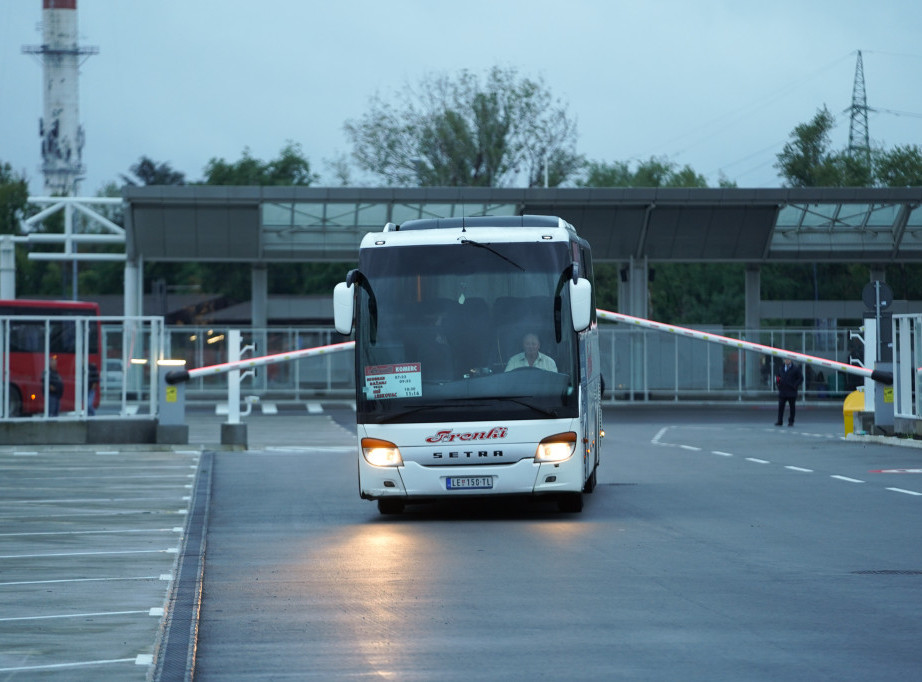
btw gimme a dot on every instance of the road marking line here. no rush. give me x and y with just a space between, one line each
25 453
905 492
93 499
690 447
144 659
156 611
722 454
94 532
846 479
171 550
807 471
62 666
77 580
757 461
75 615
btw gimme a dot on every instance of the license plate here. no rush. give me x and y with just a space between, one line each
468 482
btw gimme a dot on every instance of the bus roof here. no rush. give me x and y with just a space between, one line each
17 305
481 221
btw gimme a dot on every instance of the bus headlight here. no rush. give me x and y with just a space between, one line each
556 448
381 453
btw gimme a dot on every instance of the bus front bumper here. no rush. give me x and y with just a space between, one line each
525 477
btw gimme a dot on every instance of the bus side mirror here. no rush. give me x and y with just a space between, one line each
580 303
343 308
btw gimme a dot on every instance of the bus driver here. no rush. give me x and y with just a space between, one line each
531 356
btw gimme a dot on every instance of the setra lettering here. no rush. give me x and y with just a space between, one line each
466 454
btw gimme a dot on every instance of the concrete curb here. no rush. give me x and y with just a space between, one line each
884 440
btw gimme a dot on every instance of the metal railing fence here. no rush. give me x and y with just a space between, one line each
638 365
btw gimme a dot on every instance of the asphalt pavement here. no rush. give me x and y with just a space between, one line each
102 548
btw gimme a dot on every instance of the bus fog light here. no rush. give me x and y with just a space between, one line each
556 448
381 453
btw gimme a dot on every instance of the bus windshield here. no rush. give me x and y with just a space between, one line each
468 330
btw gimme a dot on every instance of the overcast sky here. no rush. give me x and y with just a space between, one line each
718 85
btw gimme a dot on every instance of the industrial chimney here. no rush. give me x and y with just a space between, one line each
59 128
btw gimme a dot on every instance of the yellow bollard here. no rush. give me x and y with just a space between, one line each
854 402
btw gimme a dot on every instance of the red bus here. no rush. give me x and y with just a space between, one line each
31 340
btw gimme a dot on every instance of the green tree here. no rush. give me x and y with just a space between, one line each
655 172
290 168
698 293
33 277
807 160
14 196
899 167
148 172
466 131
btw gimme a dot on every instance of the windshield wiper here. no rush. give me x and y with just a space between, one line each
465 240
536 408
517 399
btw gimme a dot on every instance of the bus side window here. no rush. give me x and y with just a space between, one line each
63 337
26 337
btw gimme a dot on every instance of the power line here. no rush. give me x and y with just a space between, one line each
734 116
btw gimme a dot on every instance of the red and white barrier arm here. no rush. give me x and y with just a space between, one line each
876 375
180 375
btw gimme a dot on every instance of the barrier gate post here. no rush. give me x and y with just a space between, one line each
233 432
171 425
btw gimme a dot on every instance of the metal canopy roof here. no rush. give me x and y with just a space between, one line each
278 224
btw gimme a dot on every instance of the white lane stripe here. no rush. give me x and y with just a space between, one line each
808 471
79 580
93 470
64 666
94 532
171 550
846 479
659 435
103 513
87 500
690 447
96 477
722 454
144 659
757 461
905 492
76 615
25 453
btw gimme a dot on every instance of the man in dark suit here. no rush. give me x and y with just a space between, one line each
788 380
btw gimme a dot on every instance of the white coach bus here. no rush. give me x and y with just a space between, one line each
476 359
